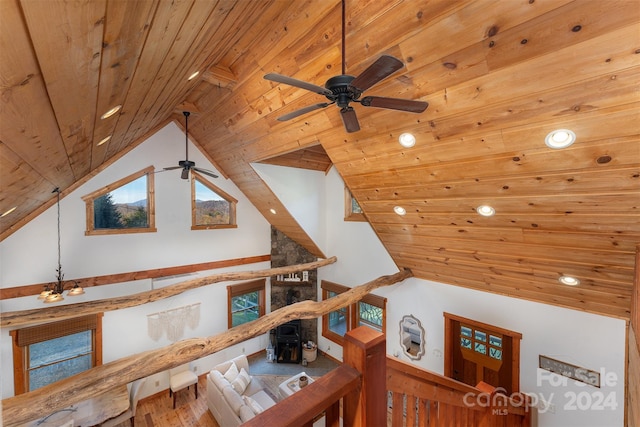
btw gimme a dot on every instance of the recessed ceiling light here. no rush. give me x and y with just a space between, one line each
400 210
103 141
560 138
8 211
111 112
569 280
485 210
273 211
194 75
407 140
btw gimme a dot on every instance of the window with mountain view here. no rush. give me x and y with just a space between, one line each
125 206
210 206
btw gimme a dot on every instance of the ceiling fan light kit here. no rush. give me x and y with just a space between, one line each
344 89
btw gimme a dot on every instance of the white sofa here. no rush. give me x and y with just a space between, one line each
229 406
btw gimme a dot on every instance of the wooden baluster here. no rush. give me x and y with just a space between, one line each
332 415
365 350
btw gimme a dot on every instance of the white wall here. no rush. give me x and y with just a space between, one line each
30 256
302 192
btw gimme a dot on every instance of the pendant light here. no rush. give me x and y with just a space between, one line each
53 291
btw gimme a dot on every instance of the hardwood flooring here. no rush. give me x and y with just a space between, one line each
157 410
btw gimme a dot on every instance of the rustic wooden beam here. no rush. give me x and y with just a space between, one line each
59 395
59 312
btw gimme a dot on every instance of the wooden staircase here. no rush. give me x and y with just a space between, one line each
423 398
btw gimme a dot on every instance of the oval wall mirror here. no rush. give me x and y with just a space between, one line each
412 337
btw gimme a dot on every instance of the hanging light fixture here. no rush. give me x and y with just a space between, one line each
53 291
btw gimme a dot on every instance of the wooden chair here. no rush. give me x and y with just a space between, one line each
130 414
181 377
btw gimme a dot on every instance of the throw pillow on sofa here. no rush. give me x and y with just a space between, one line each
241 382
231 373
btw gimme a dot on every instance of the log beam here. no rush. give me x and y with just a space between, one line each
60 312
54 397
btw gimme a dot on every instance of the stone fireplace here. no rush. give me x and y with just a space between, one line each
285 251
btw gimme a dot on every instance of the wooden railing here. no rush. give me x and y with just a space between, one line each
320 398
371 389
423 398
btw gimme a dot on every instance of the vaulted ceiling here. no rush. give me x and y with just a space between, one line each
498 77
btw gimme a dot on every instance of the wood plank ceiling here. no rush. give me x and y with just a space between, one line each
498 75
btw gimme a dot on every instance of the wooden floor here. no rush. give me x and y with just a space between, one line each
157 410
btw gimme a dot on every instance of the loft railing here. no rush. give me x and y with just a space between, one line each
424 398
371 389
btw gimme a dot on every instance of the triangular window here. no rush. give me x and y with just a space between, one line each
210 206
125 206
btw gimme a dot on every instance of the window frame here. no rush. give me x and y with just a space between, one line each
232 204
24 337
151 206
246 288
352 311
375 301
349 214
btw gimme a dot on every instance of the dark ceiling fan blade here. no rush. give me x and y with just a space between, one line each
172 168
394 104
279 78
205 172
185 173
302 111
382 68
350 119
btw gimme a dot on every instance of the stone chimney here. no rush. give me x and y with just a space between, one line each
285 251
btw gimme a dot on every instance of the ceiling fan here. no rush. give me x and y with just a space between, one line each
186 165
345 89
